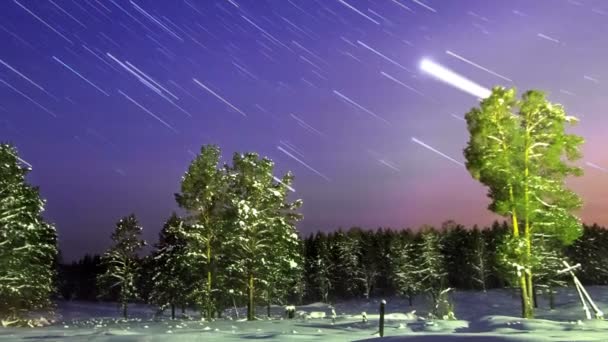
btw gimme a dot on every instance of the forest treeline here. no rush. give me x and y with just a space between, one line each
358 263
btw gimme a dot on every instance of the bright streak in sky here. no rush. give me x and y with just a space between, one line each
303 163
400 83
347 99
287 186
425 6
448 76
436 151
43 22
218 96
597 167
382 55
22 75
148 111
359 12
478 66
28 98
79 75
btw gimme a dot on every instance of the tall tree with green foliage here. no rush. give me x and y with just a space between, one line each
28 244
121 262
262 224
203 195
172 277
520 151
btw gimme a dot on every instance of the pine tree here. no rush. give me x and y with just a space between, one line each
523 159
172 278
28 245
121 261
262 224
404 267
203 195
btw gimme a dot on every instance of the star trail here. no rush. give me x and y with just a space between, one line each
109 100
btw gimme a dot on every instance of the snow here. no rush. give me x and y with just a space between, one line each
491 317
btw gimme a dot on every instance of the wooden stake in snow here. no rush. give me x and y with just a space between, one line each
582 293
382 304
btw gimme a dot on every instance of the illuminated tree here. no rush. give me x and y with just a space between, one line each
203 196
121 263
28 245
262 243
520 151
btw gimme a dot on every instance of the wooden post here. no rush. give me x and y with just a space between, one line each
382 304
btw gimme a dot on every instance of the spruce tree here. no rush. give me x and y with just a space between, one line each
28 245
172 275
432 269
591 251
350 271
454 249
321 268
404 267
548 261
371 257
121 262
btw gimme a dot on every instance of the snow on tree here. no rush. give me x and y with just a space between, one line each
172 278
404 267
28 245
121 262
321 268
371 258
479 258
547 262
591 251
455 247
523 159
262 239
349 274
203 190
431 270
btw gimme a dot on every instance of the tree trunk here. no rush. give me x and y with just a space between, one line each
527 227
124 310
526 307
531 292
410 298
551 299
534 297
268 309
183 309
250 301
172 311
209 305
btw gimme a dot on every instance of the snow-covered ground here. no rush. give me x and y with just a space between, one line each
491 316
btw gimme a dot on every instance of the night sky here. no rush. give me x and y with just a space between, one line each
109 100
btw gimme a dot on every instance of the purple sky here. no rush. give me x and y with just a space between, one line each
74 112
